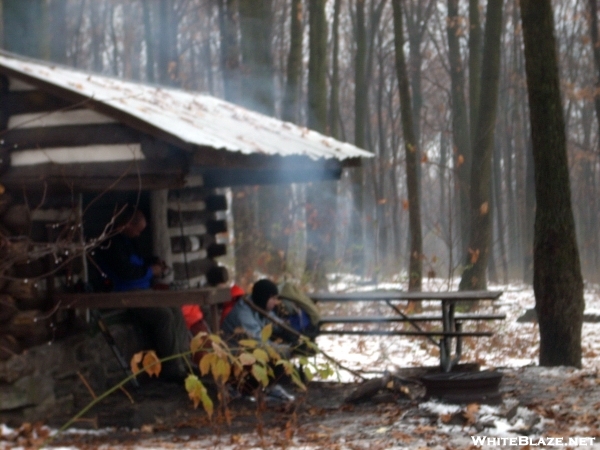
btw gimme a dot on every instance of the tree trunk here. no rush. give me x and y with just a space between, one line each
596 52
317 67
497 177
460 125
415 273
557 280
321 196
356 251
361 96
291 102
474 275
417 15
474 65
334 98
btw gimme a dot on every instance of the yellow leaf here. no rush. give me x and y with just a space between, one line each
195 389
251 343
207 403
405 205
206 362
260 374
460 161
246 359
135 362
261 355
221 370
273 354
484 208
216 338
266 332
151 363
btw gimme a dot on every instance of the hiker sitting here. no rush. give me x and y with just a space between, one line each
127 269
245 322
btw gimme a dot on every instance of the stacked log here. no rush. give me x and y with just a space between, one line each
22 320
197 227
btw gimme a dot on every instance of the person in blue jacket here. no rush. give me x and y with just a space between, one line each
244 322
128 270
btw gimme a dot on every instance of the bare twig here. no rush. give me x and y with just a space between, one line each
127 394
87 385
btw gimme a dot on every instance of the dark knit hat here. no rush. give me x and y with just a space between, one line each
262 291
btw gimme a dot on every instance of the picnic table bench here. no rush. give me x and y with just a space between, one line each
450 320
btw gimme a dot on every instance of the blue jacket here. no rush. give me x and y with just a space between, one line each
243 317
124 265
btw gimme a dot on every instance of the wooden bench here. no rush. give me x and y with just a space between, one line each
452 324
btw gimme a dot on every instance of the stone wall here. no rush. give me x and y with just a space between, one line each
42 381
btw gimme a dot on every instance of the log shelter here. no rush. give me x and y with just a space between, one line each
74 144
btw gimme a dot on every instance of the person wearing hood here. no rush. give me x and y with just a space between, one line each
245 322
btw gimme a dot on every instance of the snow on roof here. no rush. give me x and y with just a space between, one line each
191 117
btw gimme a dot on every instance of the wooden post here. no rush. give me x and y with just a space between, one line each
161 242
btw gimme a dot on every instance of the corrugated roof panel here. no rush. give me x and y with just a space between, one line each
192 117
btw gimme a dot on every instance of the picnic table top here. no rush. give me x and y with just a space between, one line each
405 295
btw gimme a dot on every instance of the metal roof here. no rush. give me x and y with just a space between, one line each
191 117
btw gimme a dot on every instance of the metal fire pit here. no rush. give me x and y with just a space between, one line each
464 387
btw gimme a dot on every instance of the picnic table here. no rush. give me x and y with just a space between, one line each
451 321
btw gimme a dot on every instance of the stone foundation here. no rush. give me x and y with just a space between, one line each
44 380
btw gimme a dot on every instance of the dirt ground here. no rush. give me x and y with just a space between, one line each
536 402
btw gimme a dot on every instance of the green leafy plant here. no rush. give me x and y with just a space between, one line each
226 365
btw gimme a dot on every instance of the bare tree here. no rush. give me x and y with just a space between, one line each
474 275
412 156
557 279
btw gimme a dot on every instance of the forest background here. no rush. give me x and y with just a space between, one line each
451 185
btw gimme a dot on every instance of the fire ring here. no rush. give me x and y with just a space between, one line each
464 387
